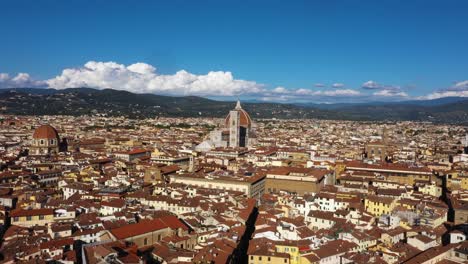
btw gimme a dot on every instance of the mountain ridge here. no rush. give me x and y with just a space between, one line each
86 101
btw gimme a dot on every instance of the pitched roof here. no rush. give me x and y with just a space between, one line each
147 226
31 212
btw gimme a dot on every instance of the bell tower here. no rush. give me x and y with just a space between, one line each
234 128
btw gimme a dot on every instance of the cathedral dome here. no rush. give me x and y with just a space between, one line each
244 118
45 132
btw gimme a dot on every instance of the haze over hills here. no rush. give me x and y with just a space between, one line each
82 101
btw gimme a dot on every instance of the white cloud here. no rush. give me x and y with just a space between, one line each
21 80
281 94
441 94
338 92
459 89
342 92
4 77
384 90
141 68
280 98
459 86
143 78
371 85
303 91
280 90
338 85
310 93
390 93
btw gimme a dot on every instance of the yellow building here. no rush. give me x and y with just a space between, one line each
456 181
291 249
432 189
377 150
463 182
268 257
280 252
251 186
340 168
32 217
293 154
378 206
409 204
296 179
394 172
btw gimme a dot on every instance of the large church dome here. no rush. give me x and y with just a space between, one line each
45 132
244 118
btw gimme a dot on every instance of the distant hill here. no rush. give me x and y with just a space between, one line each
85 101
82 101
434 102
440 101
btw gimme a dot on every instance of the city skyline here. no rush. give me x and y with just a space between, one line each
300 52
234 132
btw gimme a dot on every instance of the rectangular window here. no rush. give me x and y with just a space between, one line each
28 218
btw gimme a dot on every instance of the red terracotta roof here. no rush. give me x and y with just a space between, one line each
138 151
387 166
45 132
57 243
118 203
173 222
31 212
244 117
147 226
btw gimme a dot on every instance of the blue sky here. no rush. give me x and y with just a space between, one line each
268 50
